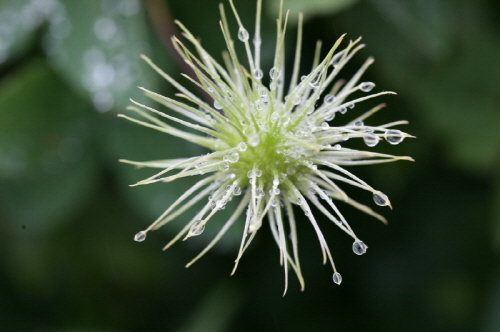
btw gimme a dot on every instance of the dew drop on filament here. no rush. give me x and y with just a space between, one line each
258 74
380 198
242 146
366 86
370 139
197 228
359 247
243 34
329 99
394 136
139 237
337 278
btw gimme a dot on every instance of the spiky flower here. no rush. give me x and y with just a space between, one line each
271 144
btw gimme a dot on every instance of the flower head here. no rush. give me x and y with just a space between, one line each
273 145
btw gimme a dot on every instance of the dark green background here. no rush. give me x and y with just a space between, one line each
67 215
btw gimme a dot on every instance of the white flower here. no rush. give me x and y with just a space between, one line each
274 145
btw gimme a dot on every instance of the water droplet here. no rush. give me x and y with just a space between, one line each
336 58
243 34
242 146
380 198
259 105
274 191
343 110
258 173
237 191
358 123
324 125
258 74
139 237
217 105
224 167
337 147
359 247
329 99
276 182
296 100
315 81
370 139
250 174
299 201
330 117
274 73
394 136
274 202
337 278
197 228
233 157
366 86
351 106
253 139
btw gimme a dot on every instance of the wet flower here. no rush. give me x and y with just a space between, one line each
275 146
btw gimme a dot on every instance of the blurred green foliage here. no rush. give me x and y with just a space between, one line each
68 216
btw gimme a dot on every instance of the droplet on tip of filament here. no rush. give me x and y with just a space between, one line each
380 198
139 237
359 247
337 278
197 228
394 136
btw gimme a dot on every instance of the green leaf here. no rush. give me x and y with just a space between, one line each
96 46
19 21
450 79
47 165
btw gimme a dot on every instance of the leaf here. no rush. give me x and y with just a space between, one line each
19 21
450 79
96 46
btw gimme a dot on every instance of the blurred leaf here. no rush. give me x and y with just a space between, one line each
454 86
427 25
309 8
18 23
96 45
46 161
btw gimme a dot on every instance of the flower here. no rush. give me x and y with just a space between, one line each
270 144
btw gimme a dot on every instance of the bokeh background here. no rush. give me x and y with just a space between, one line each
68 217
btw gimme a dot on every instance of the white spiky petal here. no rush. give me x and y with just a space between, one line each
276 150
